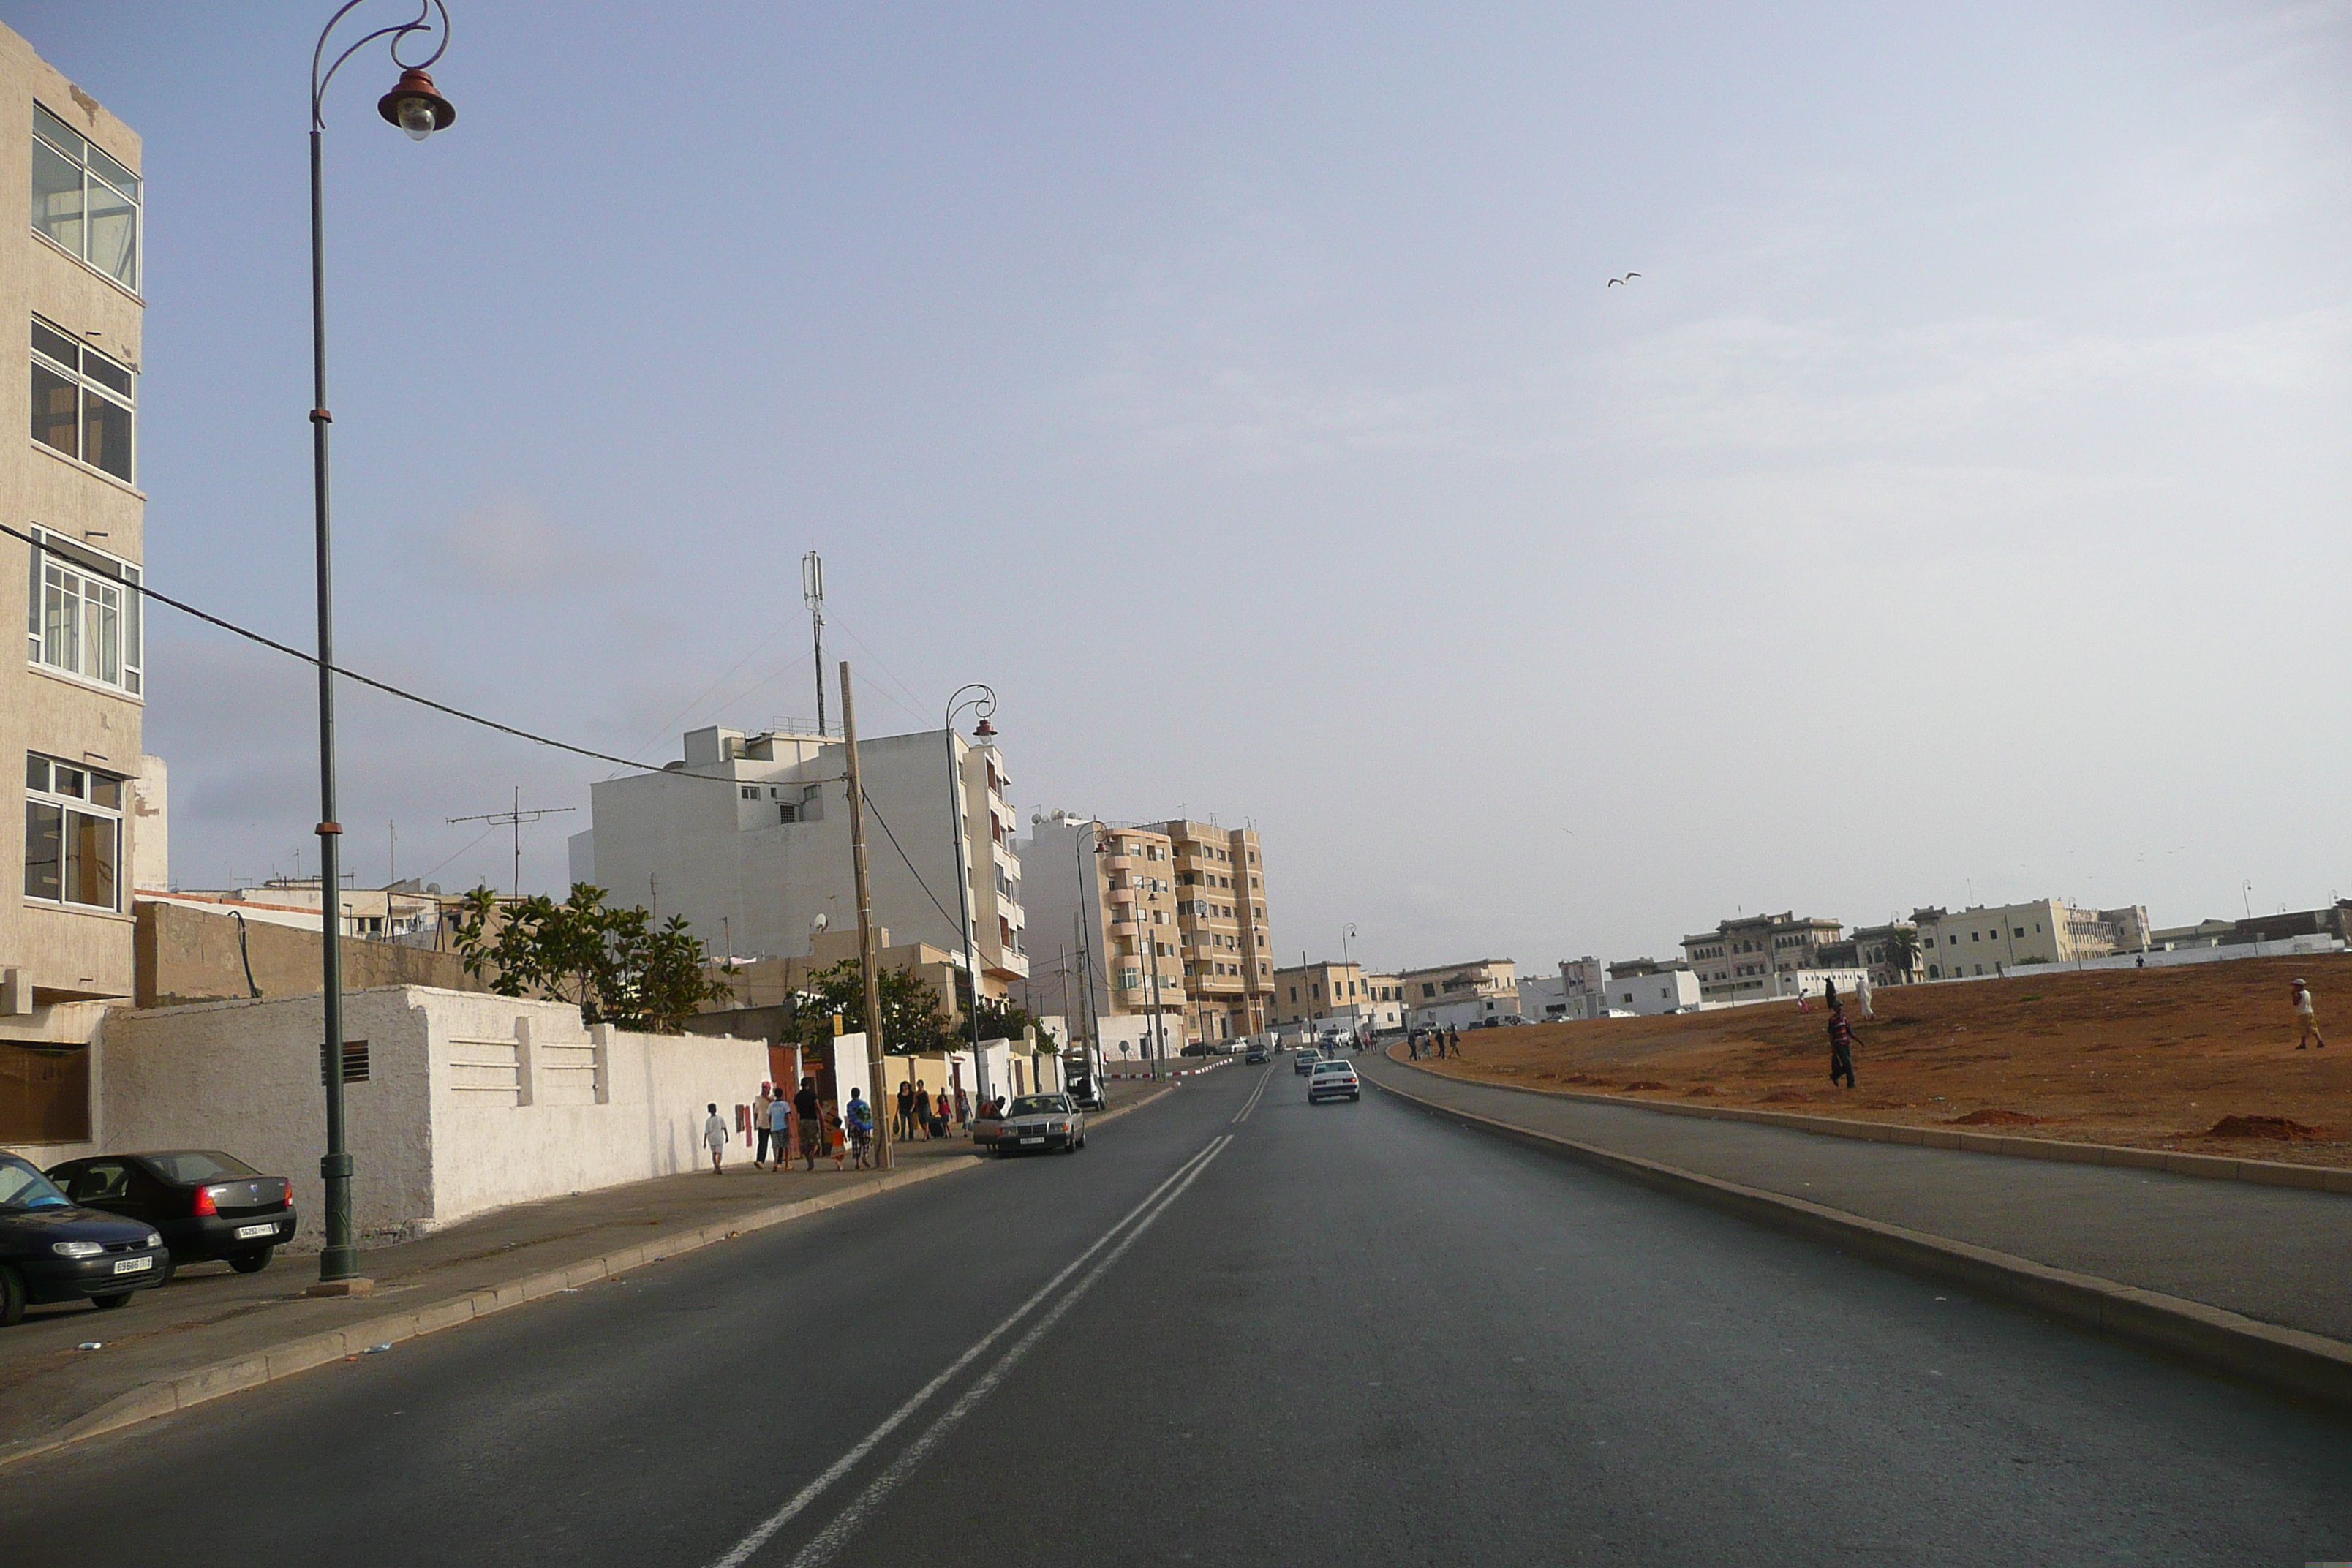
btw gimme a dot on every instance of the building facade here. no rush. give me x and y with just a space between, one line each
71 715
1164 920
1995 939
1648 988
1459 994
1736 960
747 839
1336 993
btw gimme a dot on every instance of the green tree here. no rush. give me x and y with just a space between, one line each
615 965
1903 950
1001 1018
913 1022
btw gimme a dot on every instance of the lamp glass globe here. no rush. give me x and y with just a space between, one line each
416 118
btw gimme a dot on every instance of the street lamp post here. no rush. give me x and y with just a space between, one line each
982 700
417 108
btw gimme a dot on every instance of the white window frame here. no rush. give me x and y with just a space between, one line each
62 573
46 789
50 130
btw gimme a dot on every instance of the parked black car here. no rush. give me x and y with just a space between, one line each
52 1251
206 1204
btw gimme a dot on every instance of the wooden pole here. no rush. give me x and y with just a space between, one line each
877 1069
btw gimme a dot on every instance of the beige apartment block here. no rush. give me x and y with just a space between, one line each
1113 898
1993 940
1226 941
70 718
1737 960
1460 982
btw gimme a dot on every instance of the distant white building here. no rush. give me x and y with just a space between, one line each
1647 988
748 838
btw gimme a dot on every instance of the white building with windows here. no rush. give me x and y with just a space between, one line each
90 802
747 837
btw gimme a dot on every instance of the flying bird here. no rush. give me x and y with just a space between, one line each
1627 280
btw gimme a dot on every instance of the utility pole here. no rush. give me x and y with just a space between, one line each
515 818
877 1071
813 595
1159 1019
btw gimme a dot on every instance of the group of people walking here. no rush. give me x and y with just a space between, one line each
921 1114
1438 1043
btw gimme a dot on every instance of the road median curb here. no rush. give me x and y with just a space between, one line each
2289 1361
2208 1167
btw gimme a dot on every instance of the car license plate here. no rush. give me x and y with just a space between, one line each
1032 1140
133 1265
247 1232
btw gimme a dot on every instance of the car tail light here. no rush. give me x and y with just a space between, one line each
204 1203
289 1194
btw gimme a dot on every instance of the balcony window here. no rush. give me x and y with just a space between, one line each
82 401
83 612
83 201
73 833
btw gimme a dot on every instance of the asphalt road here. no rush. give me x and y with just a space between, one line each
1351 1333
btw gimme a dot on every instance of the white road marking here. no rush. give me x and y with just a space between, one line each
808 1494
1256 1095
845 1524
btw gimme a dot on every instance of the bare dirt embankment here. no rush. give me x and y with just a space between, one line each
2200 1059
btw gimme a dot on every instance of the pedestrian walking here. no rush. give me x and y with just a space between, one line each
963 1108
1840 1045
1861 995
861 1129
714 1135
918 1113
940 1116
1454 1041
806 1111
759 1108
780 1130
1412 1045
2306 1018
903 1112
838 1140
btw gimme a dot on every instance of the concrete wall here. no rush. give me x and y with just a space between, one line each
192 954
471 1101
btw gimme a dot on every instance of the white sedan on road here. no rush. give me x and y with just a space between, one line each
1330 1080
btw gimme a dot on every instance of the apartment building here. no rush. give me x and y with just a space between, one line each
90 802
1342 993
1995 939
1649 987
1739 959
1119 898
747 837
1484 981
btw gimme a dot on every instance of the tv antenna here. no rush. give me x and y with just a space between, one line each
813 595
515 817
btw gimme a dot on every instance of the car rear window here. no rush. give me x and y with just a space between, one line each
1336 1067
1038 1105
188 1166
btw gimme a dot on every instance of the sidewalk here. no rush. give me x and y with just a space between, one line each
209 1316
2272 1254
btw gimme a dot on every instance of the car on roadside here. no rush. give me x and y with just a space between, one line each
1333 1080
52 1250
1048 1123
205 1204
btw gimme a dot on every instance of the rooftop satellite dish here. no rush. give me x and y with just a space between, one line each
817 922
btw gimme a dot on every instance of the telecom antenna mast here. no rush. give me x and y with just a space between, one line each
813 595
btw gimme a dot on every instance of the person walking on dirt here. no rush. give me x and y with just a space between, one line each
1841 1046
1861 995
2306 1018
1454 1042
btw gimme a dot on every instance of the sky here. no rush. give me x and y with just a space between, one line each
1954 508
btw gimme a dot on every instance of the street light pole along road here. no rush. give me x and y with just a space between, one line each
419 110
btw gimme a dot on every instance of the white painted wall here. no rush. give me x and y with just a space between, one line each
472 1102
1649 995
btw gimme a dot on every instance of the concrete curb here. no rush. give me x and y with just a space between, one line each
2288 1361
2211 1167
211 1382
207 1383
